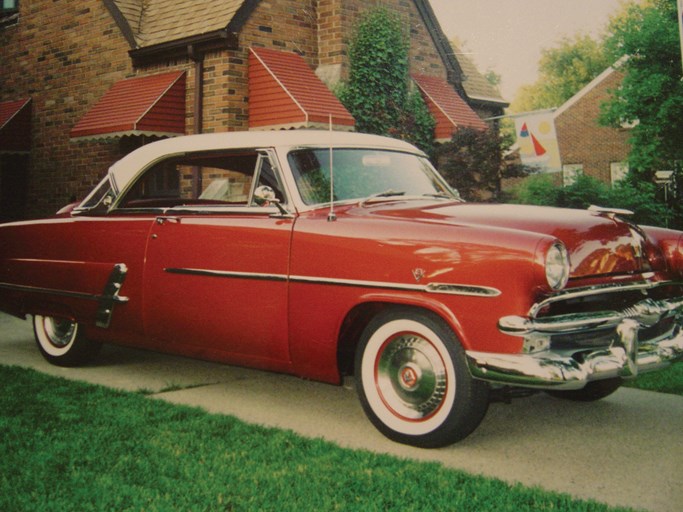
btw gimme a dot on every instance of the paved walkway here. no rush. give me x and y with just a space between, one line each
626 450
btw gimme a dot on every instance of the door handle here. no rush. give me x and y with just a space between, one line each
162 220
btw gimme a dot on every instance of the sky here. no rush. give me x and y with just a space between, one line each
507 36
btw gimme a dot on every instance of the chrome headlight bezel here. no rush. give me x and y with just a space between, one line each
557 266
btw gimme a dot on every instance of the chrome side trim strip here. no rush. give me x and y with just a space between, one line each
463 289
226 274
442 288
109 297
50 291
358 283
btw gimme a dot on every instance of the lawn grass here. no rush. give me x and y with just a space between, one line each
668 380
66 445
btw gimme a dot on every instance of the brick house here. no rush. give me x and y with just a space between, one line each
584 145
85 82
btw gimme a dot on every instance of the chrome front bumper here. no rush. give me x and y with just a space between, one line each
626 357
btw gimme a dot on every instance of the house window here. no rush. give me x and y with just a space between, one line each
570 173
9 12
618 171
10 6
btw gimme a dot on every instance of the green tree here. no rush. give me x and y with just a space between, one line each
650 98
377 92
475 163
563 71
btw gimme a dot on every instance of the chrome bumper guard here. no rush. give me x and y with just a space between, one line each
626 357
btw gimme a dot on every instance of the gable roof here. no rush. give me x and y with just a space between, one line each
475 84
459 69
160 21
152 26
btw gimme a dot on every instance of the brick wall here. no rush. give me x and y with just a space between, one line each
286 25
320 31
583 141
66 54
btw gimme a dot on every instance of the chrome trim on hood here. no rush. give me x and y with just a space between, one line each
575 293
647 312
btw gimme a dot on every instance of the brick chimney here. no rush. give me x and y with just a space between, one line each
335 18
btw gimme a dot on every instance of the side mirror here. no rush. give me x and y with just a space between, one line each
265 196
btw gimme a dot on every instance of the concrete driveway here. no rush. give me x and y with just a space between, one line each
626 450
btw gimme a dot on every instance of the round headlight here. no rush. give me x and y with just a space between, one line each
557 266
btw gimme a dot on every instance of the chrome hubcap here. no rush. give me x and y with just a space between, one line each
59 332
411 377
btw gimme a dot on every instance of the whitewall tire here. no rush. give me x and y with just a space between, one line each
62 342
413 381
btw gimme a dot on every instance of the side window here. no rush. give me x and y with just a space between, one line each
207 178
266 176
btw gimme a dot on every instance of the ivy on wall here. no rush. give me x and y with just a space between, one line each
377 92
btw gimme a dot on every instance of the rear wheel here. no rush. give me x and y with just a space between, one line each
591 392
62 342
413 381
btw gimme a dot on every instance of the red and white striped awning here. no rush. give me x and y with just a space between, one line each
148 105
449 110
15 126
284 93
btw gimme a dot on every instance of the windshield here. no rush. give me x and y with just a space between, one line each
362 173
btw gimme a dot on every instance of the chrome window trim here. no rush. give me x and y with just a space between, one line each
261 154
197 210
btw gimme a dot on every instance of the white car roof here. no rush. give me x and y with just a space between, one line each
127 169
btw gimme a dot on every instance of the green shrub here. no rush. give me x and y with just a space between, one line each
538 189
377 92
640 198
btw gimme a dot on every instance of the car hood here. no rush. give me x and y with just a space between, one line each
597 243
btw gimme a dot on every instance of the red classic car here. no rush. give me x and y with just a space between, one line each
329 254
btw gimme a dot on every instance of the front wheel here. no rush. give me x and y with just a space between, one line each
62 342
413 380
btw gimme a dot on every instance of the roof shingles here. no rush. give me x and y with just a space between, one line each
160 21
475 84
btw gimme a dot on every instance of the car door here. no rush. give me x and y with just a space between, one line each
216 267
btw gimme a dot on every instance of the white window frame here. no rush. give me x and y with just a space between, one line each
618 171
570 172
